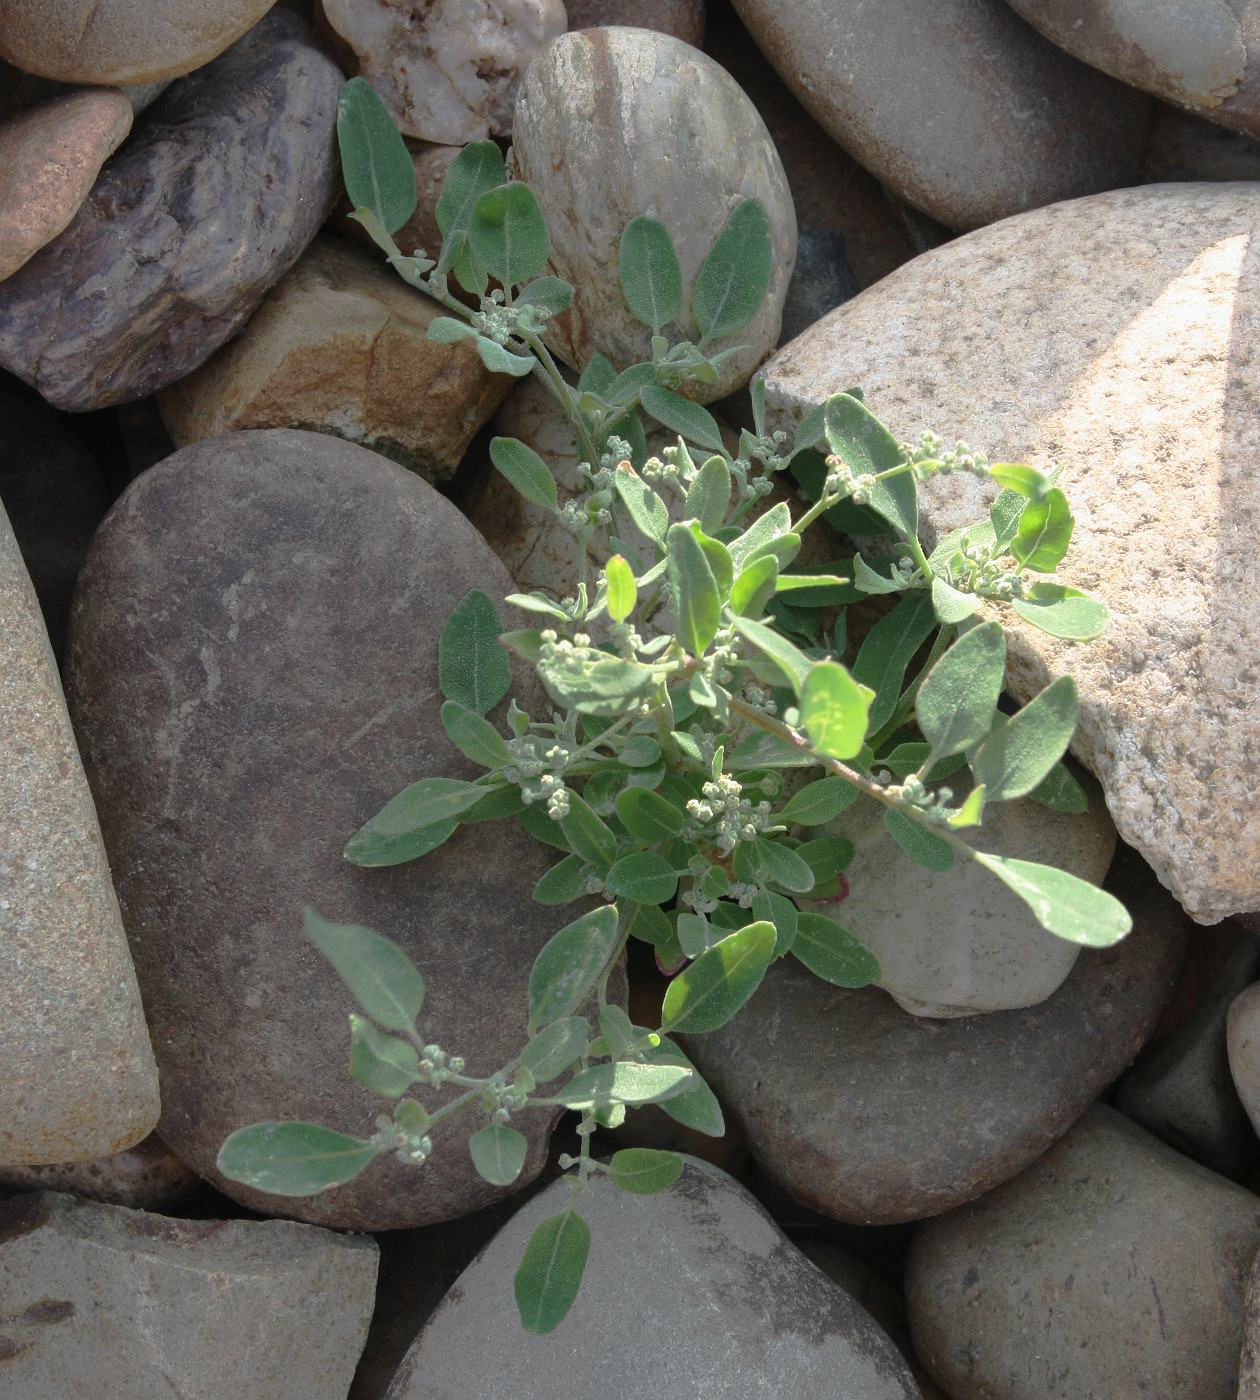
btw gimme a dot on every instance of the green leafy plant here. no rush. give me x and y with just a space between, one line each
705 732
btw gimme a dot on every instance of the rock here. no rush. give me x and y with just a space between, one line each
602 120
448 73
1127 355
278 597
52 154
873 1116
1181 1090
683 19
1014 123
224 182
1112 1267
77 1078
99 1300
148 1176
1198 58
1249 1361
956 942
1243 1044
19 91
821 281
55 496
339 347
761 1320
421 230
1183 146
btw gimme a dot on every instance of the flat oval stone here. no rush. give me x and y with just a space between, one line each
612 123
761 1321
225 180
1128 325
873 1116
253 664
77 1078
1112 1267
988 119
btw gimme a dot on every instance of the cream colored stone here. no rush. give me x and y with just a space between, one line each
1117 335
448 72
339 347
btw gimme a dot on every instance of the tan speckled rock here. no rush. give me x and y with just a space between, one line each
49 158
613 123
1116 335
121 41
447 72
684 19
148 1176
339 347
957 105
77 1078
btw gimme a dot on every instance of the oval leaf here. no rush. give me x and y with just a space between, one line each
1044 533
643 1171
508 234
651 279
569 965
472 667
643 876
819 802
697 601
1015 758
386 1065
293 1159
622 591
831 952
550 1274
735 275
956 701
414 823
707 994
375 162
683 417
648 815
835 710
624 1082
555 1048
526 471
1065 905
383 979
498 1153
474 737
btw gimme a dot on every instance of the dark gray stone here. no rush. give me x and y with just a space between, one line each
871 1115
224 181
821 281
253 664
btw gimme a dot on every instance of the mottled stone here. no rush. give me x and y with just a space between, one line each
760 1321
102 1301
1120 340
148 1176
339 346
431 163
253 671
684 19
224 182
614 123
49 158
821 281
1202 56
872 1116
77 1078
1183 146
1112 1267
448 72
989 120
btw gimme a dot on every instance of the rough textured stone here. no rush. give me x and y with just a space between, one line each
684 19
148 1176
1000 121
1183 146
49 158
873 1116
431 163
1243 1043
447 72
956 942
97 1300
1120 334
613 123
120 41
253 670
1112 1267
339 347
224 182
1201 56
761 1321
1249 1361
77 1078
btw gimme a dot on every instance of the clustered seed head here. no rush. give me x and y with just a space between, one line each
726 815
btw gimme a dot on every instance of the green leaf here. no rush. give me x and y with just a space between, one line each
564 882
971 811
718 557
550 1274
712 989
956 701
709 496
813 590
826 857
500 361
1019 755
695 934
1064 905
623 1081
552 294
769 861
1063 612
646 508
375 162
860 439
681 416
590 836
293 1159
477 169
867 580
446 330
602 688
474 737
623 592
526 471
536 603
508 234
555 1048
819 802
831 952
415 822
788 660
835 709
498 1153
889 648
376 849
380 976
698 1108
755 586
1004 516
385 1064
735 275
697 602
1044 533
774 525
569 965
776 909
472 667
643 876
1024 481
651 279
643 1171
950 604
1060 791
648 815
923 847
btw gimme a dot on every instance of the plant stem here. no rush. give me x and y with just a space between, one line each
555 381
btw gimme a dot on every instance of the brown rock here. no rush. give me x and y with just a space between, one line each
339 347
148 1176
1183 146
684 19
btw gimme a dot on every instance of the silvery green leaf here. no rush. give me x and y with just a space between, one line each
1064 905
550 1274
472 666
735 275
555 1048
645 1171
680 415
500 361
922 846
508 234
1044 532
537 603
645 877
696 599
861 440
375 163
380 976
446 330
950 604
564 882
569 965
698 1108
498 1153
865 578
383 1063
1063 612
623 1081
831 952
293 1159
526 471
651 279
709 496
889 648
956 701
551 294
1020 754
712 989
474 737
645 507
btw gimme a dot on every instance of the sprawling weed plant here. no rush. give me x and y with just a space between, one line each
704 736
